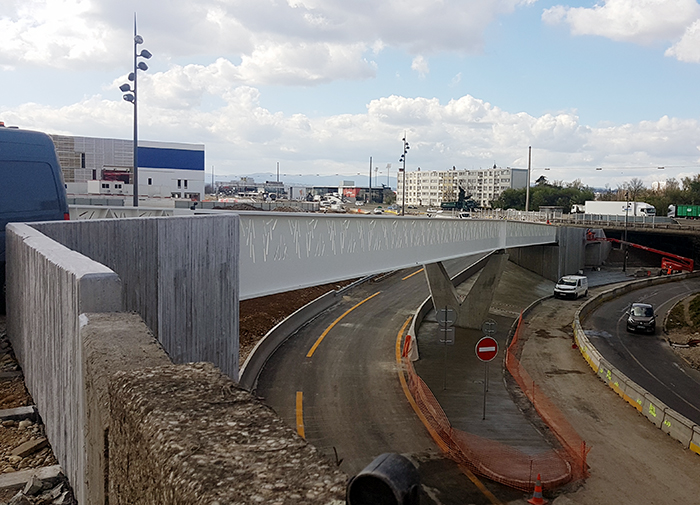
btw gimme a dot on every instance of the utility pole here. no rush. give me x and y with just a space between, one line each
369 198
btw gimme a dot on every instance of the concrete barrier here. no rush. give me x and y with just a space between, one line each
653 409
634 395
695 441
674 424
48 287
678 427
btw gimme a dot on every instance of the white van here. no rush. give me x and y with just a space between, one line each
571 286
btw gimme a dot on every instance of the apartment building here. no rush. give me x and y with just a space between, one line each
432 187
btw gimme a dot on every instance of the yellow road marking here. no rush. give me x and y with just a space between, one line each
323 335
414 273
300 414
438 440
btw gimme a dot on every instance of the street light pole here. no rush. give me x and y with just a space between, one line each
527 186
406 147
132 96
627 210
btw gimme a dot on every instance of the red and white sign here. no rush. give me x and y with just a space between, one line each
486 349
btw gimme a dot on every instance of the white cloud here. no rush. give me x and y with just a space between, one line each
688 47
638 21
420 65
275 40
243 137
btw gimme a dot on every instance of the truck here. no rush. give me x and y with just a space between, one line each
630 209
687 211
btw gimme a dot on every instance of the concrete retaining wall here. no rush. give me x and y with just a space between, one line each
660 415
48 287
568 256
179 273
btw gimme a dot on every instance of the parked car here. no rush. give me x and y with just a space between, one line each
641 317
378 210
571 286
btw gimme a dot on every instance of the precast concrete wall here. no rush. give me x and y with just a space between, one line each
568 256
179 273
48 288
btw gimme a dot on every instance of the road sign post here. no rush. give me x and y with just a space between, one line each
486 349
446 318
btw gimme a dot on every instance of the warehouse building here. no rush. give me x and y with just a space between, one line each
99 166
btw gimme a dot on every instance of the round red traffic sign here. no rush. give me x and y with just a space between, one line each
486 349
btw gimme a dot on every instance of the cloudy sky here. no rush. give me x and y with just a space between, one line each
319 86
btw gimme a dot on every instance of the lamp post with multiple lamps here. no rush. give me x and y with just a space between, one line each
402 160
130 95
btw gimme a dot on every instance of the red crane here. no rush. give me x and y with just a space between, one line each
670 263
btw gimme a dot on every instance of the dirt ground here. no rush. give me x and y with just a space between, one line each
630 460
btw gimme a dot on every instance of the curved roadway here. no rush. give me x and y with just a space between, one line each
343 394
648 359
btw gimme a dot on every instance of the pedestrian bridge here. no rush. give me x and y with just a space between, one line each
185 274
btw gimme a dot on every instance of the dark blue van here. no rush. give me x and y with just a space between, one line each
31 184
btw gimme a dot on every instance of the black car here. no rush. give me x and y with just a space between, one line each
641 317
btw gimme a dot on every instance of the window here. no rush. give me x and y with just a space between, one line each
82 160
179 183
117 186
185 183
105 186
150 181
94 175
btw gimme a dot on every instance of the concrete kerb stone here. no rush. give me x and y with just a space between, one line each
678 427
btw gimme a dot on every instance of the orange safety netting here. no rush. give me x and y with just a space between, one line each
497 461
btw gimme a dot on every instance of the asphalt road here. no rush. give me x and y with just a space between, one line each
648 359
346 398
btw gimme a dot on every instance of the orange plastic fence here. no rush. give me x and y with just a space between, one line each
569 438
497 461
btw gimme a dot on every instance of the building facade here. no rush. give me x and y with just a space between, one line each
432 187
105 166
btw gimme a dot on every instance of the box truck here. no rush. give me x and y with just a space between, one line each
631 209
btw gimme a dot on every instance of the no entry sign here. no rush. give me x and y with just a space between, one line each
486 349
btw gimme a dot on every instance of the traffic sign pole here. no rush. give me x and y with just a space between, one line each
486 349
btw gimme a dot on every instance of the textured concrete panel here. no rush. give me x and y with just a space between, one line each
179 273
48 287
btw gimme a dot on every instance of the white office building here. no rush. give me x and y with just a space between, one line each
432 187
99 166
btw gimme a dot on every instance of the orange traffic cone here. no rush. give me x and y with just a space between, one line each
537 496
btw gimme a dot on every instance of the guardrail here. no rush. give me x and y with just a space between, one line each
660 415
